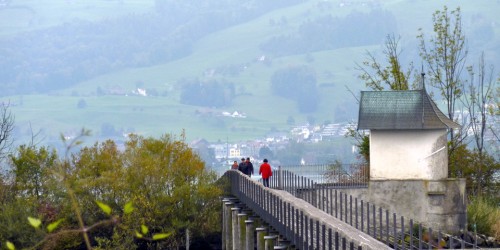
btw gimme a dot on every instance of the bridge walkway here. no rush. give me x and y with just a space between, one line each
299 222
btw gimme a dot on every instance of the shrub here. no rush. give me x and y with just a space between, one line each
89 191
483 213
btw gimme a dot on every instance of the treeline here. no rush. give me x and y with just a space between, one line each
208 93
297 83
143 196
58 57
328 32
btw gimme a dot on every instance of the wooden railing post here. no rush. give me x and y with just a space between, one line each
280 178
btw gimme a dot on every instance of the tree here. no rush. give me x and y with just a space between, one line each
265 152
208 93
479 170
444 55
170 186
81 104
291 155
30 168
297 83
6 128
392 76
108 129
478 98
166 182
378 77
362 139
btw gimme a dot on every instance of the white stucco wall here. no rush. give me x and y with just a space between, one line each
408 154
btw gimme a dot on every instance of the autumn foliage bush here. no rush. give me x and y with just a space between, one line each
88 191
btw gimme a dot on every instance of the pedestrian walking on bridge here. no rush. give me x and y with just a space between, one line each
265 171
248 167
242 167
235 165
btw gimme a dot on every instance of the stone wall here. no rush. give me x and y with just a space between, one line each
439 204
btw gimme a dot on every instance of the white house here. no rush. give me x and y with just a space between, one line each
408 135
409 159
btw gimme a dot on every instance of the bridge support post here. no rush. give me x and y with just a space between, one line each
227 232
284 244
270 242
235 227
242 217
261 231
225 221
257 222
281 247
250 235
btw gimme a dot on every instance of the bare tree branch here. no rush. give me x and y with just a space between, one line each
6 128
477 96
353 95
34 137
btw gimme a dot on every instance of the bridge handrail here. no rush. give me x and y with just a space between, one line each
375 221
297 220
354 174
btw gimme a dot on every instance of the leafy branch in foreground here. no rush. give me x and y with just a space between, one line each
113 220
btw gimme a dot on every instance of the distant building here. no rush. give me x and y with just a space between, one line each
141 92
235 114
234 153
220 150
227 151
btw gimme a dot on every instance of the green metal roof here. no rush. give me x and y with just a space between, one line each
411 109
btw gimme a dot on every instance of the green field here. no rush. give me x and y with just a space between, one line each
238 45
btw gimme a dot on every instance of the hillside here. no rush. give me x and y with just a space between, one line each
236 57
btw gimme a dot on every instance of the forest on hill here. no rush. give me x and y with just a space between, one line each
71 64
58 57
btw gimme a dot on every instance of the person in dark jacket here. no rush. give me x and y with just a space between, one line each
242 166
249 167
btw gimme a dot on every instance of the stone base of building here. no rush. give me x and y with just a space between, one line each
439 204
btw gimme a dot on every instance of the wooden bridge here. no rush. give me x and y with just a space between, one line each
297 213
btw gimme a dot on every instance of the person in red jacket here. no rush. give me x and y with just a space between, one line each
235 165
266 172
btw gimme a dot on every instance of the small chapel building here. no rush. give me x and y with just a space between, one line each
409 158
408 135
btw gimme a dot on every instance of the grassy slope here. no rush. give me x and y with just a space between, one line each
154 116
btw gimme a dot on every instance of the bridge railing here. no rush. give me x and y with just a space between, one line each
304 226
396 231
347 175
